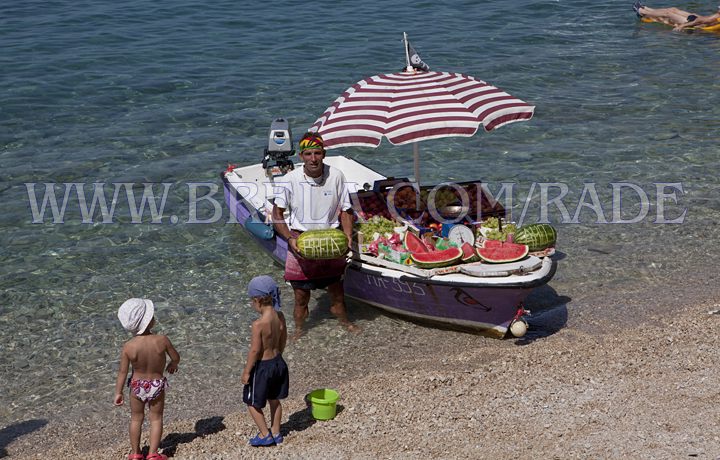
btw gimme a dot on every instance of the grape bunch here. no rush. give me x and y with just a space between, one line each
490 229
491 222
376 224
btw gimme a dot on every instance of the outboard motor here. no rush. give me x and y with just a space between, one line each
276 160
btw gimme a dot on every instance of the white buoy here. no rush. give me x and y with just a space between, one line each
518 328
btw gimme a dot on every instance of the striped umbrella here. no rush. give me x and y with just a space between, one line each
413 106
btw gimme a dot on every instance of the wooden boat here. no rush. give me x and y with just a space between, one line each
481 297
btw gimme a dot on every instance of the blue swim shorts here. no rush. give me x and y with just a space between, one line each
269 379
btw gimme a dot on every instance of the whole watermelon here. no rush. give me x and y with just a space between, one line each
536 236
328 243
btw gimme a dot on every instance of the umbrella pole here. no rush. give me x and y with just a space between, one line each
416 160
408 67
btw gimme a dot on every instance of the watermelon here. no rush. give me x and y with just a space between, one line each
413 243
328 243
492 244
469 254
536 236
497 252
437 259
429 241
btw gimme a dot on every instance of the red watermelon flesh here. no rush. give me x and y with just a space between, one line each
427 239
469 254
492 244
414 244
498 252
437 258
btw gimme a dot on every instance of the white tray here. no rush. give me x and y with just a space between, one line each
478 269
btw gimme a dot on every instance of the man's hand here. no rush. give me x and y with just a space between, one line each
292 244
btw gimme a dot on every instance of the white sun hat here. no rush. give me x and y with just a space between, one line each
135 315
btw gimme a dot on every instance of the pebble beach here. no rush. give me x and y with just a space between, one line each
642 390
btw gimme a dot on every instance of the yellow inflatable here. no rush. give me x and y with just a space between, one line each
712 28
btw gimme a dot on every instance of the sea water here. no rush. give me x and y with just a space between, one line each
170 93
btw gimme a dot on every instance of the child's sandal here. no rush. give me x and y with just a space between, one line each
136 457
258 441
156 456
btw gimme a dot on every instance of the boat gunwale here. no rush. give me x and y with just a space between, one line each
532 283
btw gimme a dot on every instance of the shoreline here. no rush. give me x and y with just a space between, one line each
587 389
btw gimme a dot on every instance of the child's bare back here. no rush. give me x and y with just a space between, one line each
147 354
272 334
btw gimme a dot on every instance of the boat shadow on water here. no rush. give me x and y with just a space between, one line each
549 314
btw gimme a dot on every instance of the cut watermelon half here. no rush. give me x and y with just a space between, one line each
437 259
497 252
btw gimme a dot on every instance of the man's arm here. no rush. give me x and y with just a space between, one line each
707 20
346 210
700 21
282 229
346 223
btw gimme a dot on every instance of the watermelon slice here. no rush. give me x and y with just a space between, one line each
469 254
498 252
492 244
437 259
429 242
414 244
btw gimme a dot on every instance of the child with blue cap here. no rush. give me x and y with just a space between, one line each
265 376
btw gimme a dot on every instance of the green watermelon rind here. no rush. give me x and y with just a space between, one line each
536 236
330 243
486 258
437 263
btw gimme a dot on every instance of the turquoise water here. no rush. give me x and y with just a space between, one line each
170 93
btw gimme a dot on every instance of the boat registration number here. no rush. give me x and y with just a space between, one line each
396 285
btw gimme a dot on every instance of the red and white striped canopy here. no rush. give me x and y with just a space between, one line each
414 106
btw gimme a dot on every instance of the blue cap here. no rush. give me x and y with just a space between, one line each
262 286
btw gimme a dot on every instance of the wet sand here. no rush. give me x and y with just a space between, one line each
575 387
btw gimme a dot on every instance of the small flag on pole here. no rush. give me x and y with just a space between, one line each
415 60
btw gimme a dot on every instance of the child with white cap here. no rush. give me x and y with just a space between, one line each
266 374
146 352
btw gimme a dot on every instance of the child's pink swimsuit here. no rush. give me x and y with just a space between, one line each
147 390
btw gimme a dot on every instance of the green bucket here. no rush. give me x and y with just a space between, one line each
323 403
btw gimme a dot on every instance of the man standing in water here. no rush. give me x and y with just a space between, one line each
317 198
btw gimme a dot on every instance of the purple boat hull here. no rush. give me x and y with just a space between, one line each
488 308
483 308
